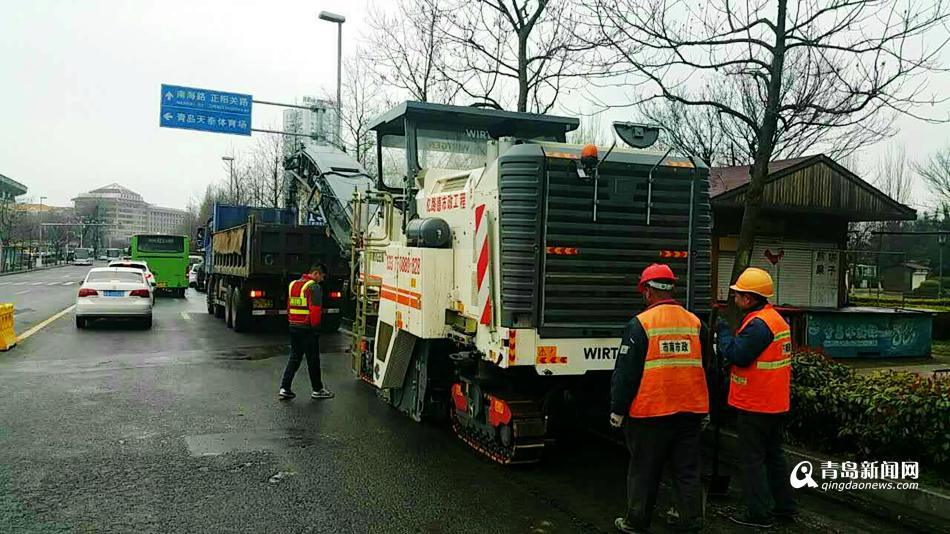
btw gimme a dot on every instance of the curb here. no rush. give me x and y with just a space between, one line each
926 508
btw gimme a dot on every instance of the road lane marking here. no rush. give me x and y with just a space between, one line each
67 276
37 283
68 283
185 316
40 326
21 283
53 283
5 283
25 291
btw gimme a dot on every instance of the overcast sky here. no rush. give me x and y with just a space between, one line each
79 107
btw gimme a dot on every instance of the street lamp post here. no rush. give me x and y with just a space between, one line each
339 20
230 160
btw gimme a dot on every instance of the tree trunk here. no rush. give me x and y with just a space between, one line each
763 154
523 69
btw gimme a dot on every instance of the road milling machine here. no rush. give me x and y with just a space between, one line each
495 266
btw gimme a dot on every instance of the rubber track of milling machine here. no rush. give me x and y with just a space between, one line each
519 440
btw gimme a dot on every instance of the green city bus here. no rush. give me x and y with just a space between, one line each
167 258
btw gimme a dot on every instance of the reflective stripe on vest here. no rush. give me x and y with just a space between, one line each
298 309
765 386
673 378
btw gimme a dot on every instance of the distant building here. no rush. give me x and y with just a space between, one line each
10 188
128 212
321 124
906 276
802 235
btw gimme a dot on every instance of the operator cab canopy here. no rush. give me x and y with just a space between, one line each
417 135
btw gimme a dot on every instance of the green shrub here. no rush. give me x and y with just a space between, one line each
927 288
885 415
942 304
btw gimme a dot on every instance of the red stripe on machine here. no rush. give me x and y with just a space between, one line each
482 263
482 259
486 315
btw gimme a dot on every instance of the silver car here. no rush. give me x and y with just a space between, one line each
114 292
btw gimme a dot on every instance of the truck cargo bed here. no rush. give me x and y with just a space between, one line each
257 249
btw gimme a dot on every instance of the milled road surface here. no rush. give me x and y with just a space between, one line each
177 429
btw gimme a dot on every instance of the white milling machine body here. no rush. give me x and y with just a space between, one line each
505 280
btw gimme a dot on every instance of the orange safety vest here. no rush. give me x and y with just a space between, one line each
302 309
765 386
673 378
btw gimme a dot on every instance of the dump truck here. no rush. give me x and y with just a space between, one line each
251 256
321 181
497 265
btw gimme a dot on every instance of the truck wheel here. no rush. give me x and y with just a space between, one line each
241 316
228 309
80 322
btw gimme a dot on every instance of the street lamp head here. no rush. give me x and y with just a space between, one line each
332 17
227 158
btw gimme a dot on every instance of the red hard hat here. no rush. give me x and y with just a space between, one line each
656 271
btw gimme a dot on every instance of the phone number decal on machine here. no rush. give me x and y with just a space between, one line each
403 264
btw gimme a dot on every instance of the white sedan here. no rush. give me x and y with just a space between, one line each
136 264
114 292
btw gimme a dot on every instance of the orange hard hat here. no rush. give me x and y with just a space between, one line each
658 272
754 280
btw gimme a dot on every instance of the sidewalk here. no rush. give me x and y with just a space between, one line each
43 268
926 509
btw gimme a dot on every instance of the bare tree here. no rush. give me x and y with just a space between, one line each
591 130
700 132
199 209
9 217
364 98
539 48
268 170
893 174
406 49
935 171
856 64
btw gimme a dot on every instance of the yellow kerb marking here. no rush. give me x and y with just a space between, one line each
40 326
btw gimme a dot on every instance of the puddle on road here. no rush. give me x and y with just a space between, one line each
217 444
252 353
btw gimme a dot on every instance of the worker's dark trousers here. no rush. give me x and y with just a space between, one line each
303 342
652 443
765 486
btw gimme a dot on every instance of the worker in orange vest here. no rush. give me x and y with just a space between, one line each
760 354
304 312
659 396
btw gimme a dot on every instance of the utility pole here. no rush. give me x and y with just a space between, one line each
941 240
339 20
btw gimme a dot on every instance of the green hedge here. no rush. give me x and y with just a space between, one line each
885 415
928 288
910 302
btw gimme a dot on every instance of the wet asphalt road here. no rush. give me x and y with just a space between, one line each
177 429
39 294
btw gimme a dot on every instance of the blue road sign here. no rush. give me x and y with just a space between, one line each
206 110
